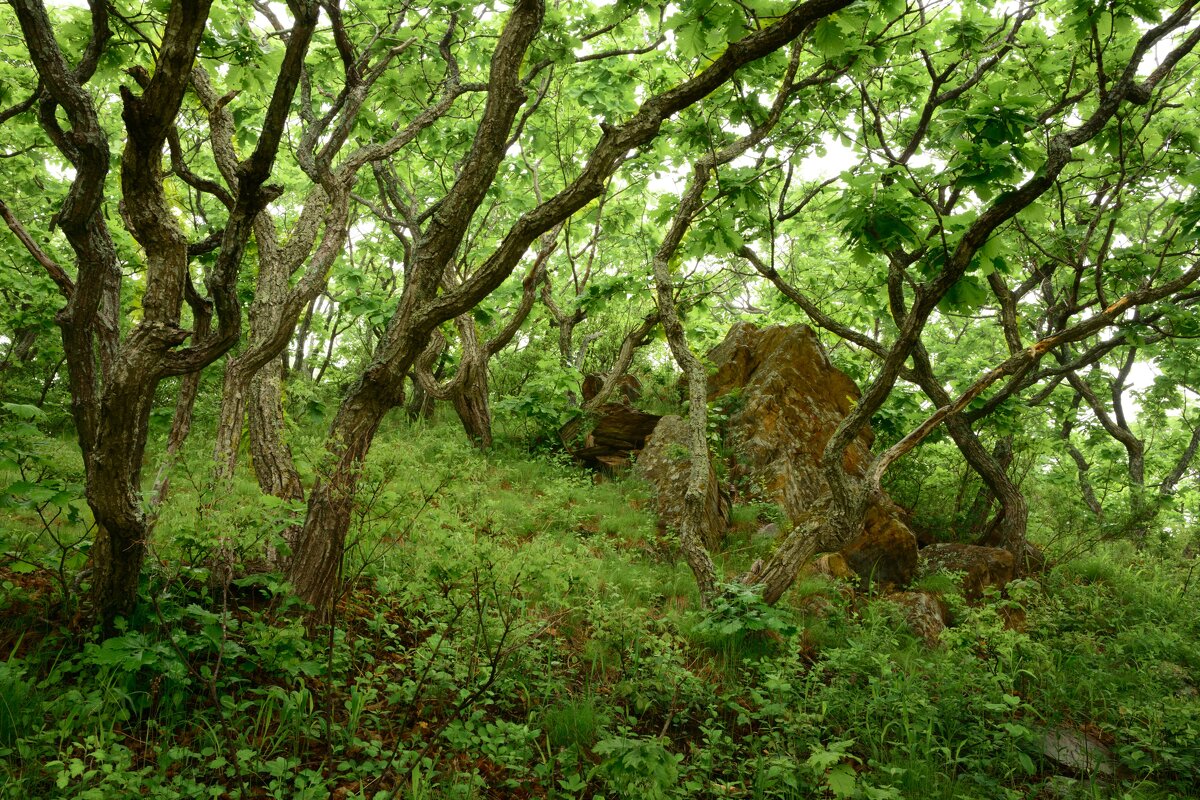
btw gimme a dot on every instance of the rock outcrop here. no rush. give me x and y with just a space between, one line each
886 551
981 567
620 430
783 400
925 613
666 465
831 565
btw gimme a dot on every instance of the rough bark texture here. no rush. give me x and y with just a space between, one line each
471 406
666 464
467 390
235 390
293 269
269 453
1010 526
316 563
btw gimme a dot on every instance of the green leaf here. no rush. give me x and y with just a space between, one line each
24 412
841 780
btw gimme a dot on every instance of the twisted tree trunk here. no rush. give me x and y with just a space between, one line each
270 454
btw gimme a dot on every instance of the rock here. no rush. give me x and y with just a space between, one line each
620 430
925 613
784 399
665 464
767 533
886 551
981 566
832 565
1078 752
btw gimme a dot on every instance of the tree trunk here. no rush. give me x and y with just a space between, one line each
1009 528
420 404
269 452
113 469
315 568
231 418
49 382
185 405
302 336
423 305
471 404
790 555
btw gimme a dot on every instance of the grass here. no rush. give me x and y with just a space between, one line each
518 630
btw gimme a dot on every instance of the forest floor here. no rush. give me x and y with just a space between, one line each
512 628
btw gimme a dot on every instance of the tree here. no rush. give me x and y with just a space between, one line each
114 372
293 271
938 225
423 307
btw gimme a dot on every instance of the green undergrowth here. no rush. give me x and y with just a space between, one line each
513 628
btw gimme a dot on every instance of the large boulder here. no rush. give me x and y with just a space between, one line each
619 431
981 567
1078 752
784 399
886 551
925 613
666 464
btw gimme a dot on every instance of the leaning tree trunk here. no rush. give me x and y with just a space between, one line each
978 521
314 570
315 567
692 528
1011 523
468 389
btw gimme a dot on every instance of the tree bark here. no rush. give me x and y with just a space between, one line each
113 476
315 567
231 417
185 404
302 337
471 405
270 454
1011 524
